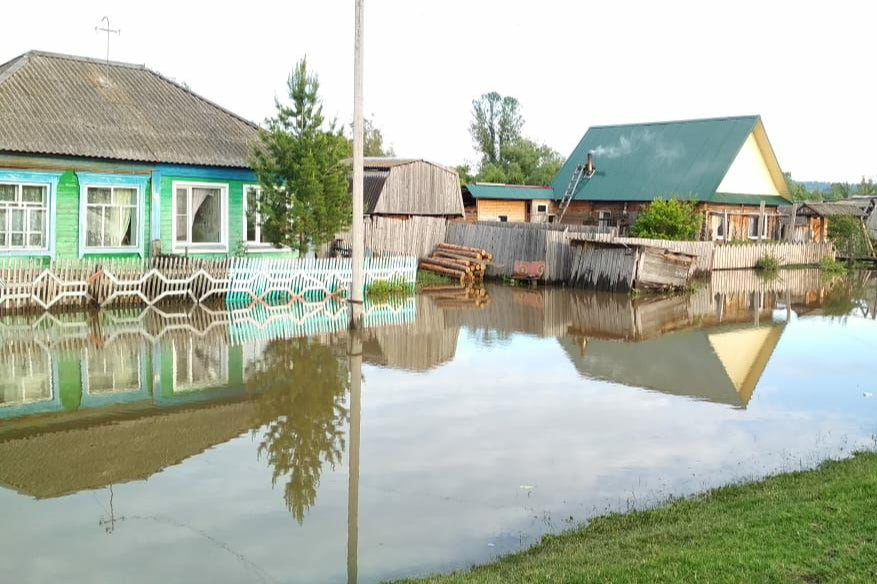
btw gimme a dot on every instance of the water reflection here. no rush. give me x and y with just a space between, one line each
452 393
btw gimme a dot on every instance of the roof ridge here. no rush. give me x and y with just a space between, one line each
685 121
68 57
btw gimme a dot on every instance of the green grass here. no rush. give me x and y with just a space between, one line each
767 263
385 289
426 278
813 526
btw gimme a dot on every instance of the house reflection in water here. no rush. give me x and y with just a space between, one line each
164 386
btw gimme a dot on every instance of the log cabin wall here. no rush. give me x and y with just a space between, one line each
493 209
739 219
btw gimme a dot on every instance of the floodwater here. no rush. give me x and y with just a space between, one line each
269 445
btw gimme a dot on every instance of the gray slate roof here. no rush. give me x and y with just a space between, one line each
67 105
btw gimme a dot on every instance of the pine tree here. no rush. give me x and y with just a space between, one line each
299 160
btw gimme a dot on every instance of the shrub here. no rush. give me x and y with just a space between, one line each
767 263
668 219
848 237
426 278
831 266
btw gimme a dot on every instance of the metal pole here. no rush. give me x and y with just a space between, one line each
357 229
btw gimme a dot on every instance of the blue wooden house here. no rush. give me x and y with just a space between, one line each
105 159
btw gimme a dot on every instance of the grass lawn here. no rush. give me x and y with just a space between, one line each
815 526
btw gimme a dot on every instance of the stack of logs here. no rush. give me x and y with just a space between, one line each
451 297
466 264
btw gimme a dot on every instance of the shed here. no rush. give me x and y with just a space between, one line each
408 186
810 219
622 267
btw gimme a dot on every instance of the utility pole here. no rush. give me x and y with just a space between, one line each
357 231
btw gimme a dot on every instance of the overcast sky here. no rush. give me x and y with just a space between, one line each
807 67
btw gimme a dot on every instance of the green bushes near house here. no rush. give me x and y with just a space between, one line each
848 236
812 526
832 266
668 219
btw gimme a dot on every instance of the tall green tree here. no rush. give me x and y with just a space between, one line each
867 187
299 159
506 155
301 408
496 121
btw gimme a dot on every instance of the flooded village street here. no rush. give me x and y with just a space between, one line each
268 445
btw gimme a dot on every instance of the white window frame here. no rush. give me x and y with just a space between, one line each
86 378
89 180
760 231
541 208
19 386
187 246
137 211
604 215
190 384
46 208
254 245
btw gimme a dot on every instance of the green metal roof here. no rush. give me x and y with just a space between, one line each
517 192
641 162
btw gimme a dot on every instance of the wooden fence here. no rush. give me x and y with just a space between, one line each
742 256
32 283
415 236
510 242
603 267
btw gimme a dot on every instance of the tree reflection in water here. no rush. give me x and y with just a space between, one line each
302 406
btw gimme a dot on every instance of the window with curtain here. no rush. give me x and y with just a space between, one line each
199 214
23 216
111 217
198 365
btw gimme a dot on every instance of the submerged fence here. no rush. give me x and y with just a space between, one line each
32 283
511 242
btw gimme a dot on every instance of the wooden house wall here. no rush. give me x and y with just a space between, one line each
420 188
491 209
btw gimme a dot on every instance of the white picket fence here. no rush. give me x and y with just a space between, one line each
30 283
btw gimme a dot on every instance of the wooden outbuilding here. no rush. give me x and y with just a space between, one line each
401 187
808 222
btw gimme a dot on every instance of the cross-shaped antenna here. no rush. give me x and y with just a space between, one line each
109 31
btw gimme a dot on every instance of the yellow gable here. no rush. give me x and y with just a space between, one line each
749 173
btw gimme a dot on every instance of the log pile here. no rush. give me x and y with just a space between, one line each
466 264
451 297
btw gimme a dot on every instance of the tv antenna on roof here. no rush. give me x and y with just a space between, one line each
109 31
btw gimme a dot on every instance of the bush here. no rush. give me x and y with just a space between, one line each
848 237
668 219
767 263
831 266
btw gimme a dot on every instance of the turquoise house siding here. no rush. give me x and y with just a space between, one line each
66 223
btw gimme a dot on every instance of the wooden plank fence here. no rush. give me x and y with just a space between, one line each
603 268
33 283
415 236
742 256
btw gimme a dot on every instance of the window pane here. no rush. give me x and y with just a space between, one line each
32 194
181 201
125 196
118 228
206 216
93 228
37 219
181 227
4 215
7 193
17 219
17 240
36 240
252 210
98 195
